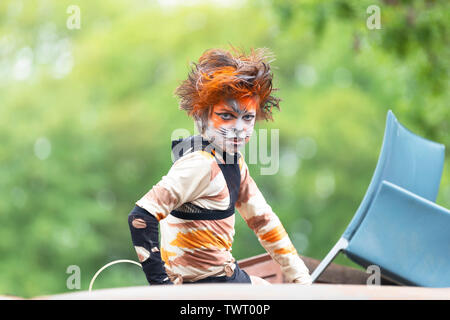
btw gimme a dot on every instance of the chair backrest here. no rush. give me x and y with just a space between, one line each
406 160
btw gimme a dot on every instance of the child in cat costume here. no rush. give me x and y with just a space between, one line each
194 204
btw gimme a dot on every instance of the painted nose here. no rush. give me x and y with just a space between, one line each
239 127
239 132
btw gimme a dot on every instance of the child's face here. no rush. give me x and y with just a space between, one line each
231 123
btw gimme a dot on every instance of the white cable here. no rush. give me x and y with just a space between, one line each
106 266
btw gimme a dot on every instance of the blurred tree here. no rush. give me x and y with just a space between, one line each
86 117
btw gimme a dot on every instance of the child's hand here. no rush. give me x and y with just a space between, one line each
305 279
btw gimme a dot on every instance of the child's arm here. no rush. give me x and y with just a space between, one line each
144 235
269 230
186 180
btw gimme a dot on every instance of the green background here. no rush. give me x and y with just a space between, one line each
86 118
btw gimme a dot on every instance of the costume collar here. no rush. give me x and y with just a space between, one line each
184 146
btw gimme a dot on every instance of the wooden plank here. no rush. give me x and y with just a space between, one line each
265 267
262 266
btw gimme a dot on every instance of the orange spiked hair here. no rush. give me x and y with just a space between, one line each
220 74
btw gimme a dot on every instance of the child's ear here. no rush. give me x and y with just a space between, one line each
200 124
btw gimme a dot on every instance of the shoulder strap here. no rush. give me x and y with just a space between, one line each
182 147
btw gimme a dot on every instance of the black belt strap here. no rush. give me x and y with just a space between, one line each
204 215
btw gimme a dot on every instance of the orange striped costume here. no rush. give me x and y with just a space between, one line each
193 249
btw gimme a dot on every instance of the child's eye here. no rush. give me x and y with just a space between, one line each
248 117
225 116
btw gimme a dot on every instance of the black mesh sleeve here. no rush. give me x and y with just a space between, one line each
144 234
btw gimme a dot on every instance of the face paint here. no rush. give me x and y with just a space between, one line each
231 123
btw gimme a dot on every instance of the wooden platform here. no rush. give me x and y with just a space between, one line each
336 283
249 292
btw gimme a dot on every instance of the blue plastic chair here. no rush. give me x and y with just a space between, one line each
397 226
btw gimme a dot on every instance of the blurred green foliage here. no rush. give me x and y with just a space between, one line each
86 117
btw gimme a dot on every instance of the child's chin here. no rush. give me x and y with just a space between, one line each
233 148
